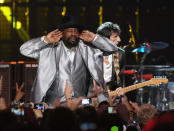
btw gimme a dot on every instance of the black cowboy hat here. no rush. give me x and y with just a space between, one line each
70 22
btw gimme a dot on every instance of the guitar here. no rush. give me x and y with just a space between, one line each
153 81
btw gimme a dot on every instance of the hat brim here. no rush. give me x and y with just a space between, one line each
69 25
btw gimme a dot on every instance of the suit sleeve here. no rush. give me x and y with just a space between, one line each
32 48
105 44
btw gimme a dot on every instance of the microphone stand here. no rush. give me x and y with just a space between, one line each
140 71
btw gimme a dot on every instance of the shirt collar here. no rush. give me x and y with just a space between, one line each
73 49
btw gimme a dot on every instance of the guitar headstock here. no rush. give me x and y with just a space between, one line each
159 80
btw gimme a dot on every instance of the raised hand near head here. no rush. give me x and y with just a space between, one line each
87 36
53 36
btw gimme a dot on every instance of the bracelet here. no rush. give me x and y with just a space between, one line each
15 102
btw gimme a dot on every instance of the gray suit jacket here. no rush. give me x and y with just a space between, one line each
48 54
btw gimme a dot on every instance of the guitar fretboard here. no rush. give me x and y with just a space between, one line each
155 81
136 86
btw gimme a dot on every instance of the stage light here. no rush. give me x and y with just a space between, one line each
114 128
64 11
1 1
18 25
100 13
6 11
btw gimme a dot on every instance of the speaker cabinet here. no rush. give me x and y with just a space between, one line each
7 71
30 70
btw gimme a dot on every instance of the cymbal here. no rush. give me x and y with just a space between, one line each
153 46
154 67
166 69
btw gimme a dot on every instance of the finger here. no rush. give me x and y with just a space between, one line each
56 30
131 102
54 33
1 78
57 37
22 86
57 33
112 97
67 83
21 104
94 82
115 97
85 31
82 36
17 87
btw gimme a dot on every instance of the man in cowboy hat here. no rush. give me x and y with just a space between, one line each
65 54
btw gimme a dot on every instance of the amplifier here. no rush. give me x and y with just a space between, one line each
29 73
7 71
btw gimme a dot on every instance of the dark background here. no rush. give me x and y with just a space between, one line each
153 23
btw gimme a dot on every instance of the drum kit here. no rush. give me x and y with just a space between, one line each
162 96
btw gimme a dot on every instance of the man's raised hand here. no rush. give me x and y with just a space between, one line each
53 36
87 36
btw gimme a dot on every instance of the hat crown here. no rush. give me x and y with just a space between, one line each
68 19
69 22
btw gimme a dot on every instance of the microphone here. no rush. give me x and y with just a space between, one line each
129 72
126 46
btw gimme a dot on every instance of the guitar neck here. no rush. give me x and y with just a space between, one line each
136 86
132 87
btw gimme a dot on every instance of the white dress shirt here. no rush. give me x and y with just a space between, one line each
107 69
70 52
